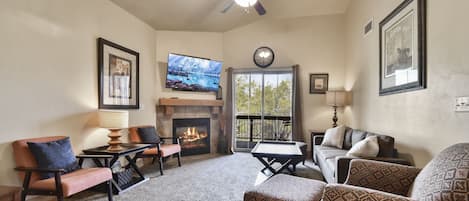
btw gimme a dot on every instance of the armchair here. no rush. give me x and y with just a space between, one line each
443 178
61 184
162 148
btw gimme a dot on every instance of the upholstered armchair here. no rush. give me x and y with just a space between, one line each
446 177
164 146
62 183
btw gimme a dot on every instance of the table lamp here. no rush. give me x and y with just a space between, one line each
114 121
336 99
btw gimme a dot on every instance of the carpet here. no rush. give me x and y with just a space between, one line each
202 177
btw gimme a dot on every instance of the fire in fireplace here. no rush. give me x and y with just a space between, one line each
194 134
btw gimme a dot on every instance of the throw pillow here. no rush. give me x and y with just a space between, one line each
368 147
334 137
54 155
148 135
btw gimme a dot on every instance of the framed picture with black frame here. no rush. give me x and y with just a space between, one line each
318 83
118 76
402 43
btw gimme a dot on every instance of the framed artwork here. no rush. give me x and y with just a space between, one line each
318 83
402 45
118 76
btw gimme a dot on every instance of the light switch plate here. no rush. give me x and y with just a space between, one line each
462 104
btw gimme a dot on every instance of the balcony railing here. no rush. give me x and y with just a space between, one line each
249 129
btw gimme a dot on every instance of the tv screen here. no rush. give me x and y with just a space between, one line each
192 74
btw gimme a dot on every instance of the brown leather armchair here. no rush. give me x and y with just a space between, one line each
62 184
163 149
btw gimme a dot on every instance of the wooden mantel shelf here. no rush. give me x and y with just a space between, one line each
189 102
170 103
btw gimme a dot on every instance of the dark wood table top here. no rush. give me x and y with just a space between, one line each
128 148
277 149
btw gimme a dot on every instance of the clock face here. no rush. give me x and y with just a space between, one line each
264 57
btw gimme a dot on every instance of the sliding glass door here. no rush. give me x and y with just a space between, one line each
262 107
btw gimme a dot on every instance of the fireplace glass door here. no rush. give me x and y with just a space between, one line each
262 107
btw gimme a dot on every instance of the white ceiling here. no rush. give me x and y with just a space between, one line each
205 15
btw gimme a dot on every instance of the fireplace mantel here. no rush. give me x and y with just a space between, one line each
170 103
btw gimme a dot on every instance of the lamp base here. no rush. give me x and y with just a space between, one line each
114 143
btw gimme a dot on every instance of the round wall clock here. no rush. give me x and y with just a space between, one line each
264 57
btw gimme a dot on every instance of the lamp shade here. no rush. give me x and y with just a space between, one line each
336 98
246 3
113 119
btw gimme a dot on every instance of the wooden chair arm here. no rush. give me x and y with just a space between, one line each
31 169
93 156
178 139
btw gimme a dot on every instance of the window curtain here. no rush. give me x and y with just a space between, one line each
297 130
229 111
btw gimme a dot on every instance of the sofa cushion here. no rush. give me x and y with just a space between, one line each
348 138
357 136
331 163
76 181
366 148
286 187
330 152
166 150
386 145
54 155
334 137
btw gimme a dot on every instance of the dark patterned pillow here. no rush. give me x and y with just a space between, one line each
148 135
54 155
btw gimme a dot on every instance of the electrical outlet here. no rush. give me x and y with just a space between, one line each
462 104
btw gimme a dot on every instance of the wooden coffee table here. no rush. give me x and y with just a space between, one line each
285 153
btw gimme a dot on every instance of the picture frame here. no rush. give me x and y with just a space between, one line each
318 83
402 46
118 76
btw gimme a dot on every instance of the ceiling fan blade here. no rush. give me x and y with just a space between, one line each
228 5
259 8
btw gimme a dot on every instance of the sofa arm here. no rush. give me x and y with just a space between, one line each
340 192
317 140
382 176
343 165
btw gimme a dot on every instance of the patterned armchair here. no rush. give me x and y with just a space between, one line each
446 177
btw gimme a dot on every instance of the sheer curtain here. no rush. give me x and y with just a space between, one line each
297 131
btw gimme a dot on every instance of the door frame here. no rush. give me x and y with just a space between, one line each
273 70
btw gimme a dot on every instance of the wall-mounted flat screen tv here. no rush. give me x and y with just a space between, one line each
189 73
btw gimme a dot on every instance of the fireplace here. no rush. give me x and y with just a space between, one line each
194 134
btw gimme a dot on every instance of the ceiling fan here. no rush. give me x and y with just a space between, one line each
256 4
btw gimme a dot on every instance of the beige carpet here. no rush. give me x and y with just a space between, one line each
202 177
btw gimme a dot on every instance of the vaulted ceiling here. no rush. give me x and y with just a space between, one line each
205 15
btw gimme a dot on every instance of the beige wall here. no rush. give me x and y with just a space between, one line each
48 70
423 122
315 43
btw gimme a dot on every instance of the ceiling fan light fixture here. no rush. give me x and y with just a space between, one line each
246 3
